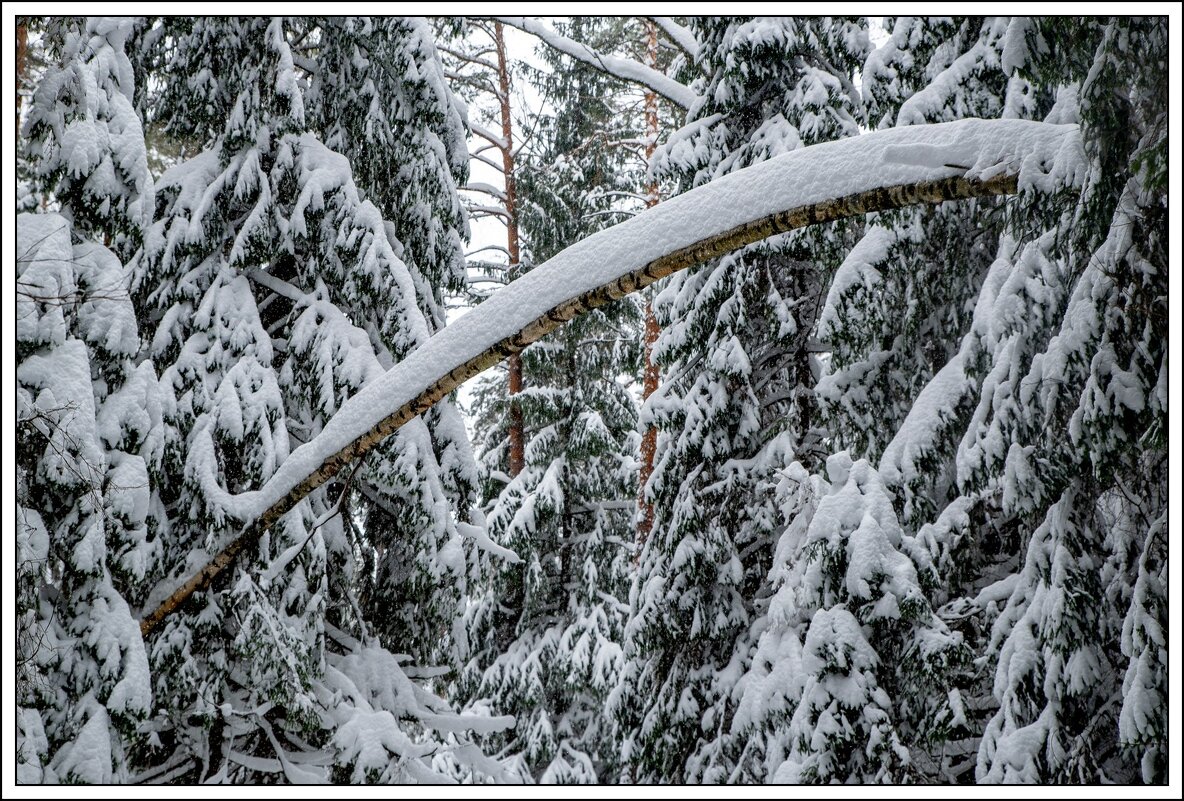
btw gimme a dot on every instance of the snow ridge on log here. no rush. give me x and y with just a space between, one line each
875 172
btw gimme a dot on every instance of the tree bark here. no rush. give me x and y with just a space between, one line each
649 439
517 435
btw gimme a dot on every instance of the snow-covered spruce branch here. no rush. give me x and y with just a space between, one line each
682 37
875 172
624 68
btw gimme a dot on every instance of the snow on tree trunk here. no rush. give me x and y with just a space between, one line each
622 260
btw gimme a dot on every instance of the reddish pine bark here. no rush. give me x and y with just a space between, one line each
517 436
649 439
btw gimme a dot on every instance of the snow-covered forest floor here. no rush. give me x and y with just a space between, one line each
638 400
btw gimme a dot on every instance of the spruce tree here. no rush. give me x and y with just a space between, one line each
973 587
280 294
83 502
1090 418
1015 497
736 399
88 420
867 624
903 296
83 134
373 78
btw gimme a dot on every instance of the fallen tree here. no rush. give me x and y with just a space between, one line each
875 172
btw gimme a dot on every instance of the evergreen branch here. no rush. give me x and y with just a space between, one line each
537 120
624 68
475 82
487 189
487 135
499 248
474 59
487 161
488 211
679 35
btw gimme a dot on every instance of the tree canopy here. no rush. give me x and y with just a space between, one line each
902 516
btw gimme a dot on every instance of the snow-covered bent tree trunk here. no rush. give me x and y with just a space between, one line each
875 172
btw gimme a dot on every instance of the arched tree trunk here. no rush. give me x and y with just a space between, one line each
1005 144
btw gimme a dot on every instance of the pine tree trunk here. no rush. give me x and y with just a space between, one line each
649 440
514 363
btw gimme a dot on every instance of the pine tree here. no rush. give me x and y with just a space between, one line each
550 624
483 72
